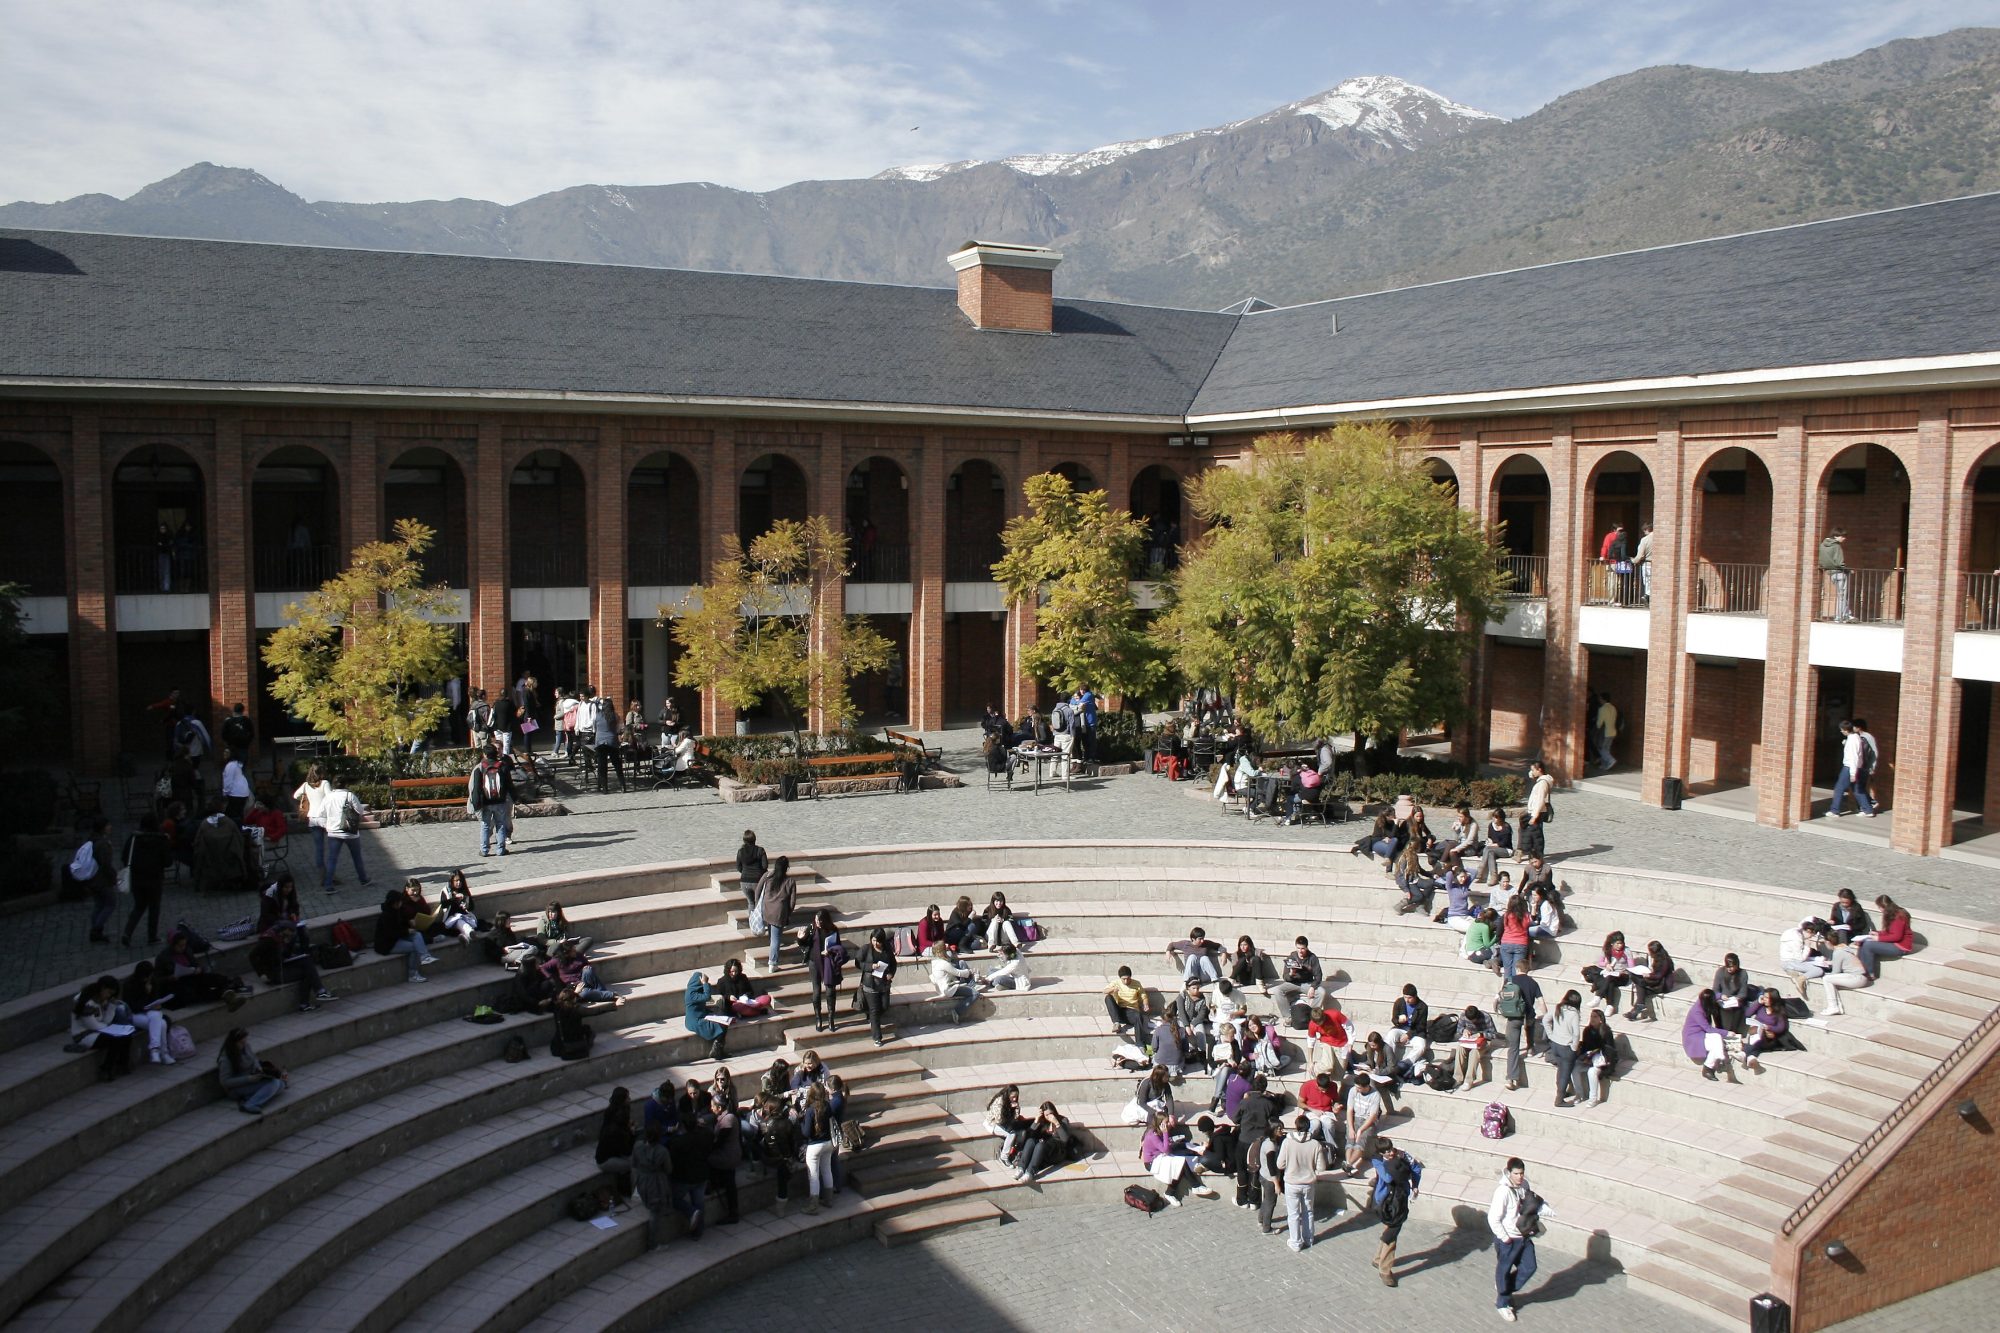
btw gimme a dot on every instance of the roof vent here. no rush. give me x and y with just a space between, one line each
1007 286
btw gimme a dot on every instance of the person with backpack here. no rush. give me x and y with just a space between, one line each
1515 1218
1083 706
489 794
603 737
90 869
1521 1005
340 819
479 720
238 733
1398 1177
1063 729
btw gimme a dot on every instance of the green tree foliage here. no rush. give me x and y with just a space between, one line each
1339 590
766 626
17 664
360 653
1074 553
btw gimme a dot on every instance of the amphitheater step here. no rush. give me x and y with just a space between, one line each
937 1220
913 1172
1739 1270
1723 1300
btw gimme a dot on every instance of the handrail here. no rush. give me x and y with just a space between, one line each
1849 1163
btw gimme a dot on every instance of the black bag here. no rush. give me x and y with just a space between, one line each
332 955
1795 1008
1593 974
571 1050
1530 1219
1301 1014
1549 814
515 1051
1443 1028
1442 1079
1145 1200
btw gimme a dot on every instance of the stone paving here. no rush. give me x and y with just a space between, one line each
1139 1274
645 826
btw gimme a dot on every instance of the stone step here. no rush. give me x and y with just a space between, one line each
1663 1278
937 1220
909 1171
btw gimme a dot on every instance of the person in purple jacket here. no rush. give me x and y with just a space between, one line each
1702 1037
1769 1028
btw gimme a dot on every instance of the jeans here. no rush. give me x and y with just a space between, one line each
305 972
333 846
1002 928
609 758
691 1202
1299 1215
1514 1265
262 1095
146 903
412 945
493 824
1565 1058
1874 951
777 938
1516 1067
1123 1017
1842 608
875 1004
104 900
1267 1203
1530 841
592 991
1604 759
819 1168
1511 957
1850 781
963 996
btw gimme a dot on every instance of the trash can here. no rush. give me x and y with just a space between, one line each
1670 794
1768 1314
788 786
912 775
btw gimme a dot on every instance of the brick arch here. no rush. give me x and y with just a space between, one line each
1603 509
532 560
1528 532
808 479
1901 452
663 525
1972 469
34 546
1729 531
449 558
275 566
1431 461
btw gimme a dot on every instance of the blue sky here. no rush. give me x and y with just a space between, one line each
504 99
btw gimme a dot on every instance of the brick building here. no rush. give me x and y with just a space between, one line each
194 431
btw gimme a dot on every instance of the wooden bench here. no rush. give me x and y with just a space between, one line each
399 785
821 765
927 756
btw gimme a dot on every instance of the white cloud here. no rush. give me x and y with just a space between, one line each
497 99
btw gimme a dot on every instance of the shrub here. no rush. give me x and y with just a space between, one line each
1122 737
1427 787
23 871
762 760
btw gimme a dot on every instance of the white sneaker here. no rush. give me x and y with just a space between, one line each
1506 1312
419 977
165 1058
1172 1202
1206 1192
426 960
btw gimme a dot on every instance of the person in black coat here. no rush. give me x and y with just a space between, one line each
1253 1124
689 1150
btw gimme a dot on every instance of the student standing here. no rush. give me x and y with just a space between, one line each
1514 1218
1538 812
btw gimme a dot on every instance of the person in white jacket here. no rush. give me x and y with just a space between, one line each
1012 972
1514 1217
953 980
1801 954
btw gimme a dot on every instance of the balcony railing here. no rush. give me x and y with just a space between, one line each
147 569
884 564
543 568
1982 601
973 561
443 564
1528 577
676 563
1860 596
293 568
1731 589
1614 583
39 571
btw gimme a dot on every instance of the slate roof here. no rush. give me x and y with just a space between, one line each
1912 282
83 305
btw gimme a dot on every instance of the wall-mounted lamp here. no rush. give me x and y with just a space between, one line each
1968 1110
1836 1251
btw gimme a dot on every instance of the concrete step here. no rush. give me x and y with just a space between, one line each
937 1220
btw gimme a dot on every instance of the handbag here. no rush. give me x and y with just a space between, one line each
125 880
529 726
180 1042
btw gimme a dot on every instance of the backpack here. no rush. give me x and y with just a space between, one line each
347 937
1493 1125
350 814
516 1049
180 1043
906 941
847 1133
1059 719
1511 1004
1529 1219
1441 1079
1145 1200
83 866
1443 1029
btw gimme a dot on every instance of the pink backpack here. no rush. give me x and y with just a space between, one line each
1493 1121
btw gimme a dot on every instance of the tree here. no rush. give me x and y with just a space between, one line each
765 626
20 664
1339 589
1071 555
360 653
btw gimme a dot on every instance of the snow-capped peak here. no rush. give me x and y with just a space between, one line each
1379 106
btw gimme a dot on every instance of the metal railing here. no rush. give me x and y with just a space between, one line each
972 561
1982 601
443 564
147 569
1860 596
544 568
1730 589
884 564
1528 577
1614 583
1853 1160
293 568
39 571
675 563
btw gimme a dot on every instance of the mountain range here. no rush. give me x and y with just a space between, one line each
1374 183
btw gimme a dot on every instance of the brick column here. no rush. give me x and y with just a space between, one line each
828 495
361 513
1562 721
926 672
1784 765
718 519
606 562
1990 814
93 637
1927 728
1669 672
486 632
1118 474
1020 688
232 634
1472 740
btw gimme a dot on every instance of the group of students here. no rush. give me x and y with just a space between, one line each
683 1146
1845 949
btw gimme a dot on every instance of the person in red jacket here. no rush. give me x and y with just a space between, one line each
1892 939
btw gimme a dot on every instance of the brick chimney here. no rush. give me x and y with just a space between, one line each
1002 286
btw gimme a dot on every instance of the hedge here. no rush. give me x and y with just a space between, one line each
762 760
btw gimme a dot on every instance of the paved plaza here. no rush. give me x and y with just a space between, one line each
643 827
